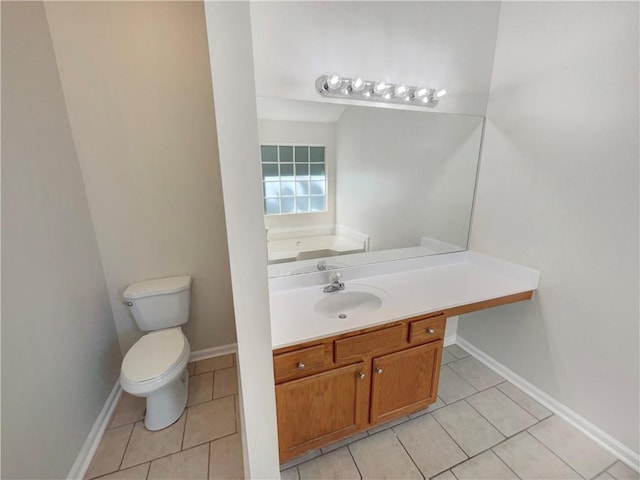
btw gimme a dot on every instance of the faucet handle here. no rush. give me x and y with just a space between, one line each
336 276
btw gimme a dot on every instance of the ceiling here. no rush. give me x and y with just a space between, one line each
437 44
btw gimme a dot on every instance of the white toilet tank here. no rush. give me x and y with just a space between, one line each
159 303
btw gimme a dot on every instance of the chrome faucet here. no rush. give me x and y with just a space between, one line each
335 284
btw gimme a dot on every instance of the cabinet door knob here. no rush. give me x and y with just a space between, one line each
300 366
379 370
430 331
361 375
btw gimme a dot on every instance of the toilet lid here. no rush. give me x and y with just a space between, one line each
153 355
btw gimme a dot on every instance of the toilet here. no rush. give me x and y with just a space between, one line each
155 366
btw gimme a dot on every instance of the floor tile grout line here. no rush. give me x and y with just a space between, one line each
453 439
476 455
522 406
184 430
201 443
297 471
407 419
158 458
475 390
478 390
454 355
124 452
552 452
606 469
479 453
366 432
149 461
209 461
291 463
498 429
352 458
408 454
487 420
505 463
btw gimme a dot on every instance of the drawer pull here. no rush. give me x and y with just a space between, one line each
430 331
300 366
379 370
361 375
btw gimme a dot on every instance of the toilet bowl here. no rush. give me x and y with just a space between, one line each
155 366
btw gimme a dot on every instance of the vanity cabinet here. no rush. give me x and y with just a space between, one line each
337 386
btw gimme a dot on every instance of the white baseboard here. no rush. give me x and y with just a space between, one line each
621 451
88 450
450 339
213 352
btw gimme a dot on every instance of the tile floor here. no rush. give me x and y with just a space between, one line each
481 427
203 444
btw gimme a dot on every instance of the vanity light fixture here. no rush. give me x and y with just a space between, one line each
336 86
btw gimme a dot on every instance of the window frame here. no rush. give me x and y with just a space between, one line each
278 163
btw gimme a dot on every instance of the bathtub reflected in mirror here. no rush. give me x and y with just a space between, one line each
347 185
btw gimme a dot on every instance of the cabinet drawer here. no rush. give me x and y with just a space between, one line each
366 344
301 363
426 330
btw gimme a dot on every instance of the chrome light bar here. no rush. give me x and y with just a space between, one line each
335 86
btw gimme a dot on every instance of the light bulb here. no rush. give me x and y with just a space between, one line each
358 84
425 100
381 87
334 81
441 93
367 93
422 91
401 90
387 96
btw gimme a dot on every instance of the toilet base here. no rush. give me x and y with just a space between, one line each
166 405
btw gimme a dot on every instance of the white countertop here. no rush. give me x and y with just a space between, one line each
408 287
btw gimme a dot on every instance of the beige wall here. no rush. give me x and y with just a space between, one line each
558 192
138 89
60 352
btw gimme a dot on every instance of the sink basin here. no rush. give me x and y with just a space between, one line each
348 302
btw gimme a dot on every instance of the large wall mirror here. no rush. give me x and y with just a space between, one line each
347 185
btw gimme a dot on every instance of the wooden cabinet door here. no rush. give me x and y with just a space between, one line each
322 408
404 382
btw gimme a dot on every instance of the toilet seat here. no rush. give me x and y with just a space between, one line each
154 360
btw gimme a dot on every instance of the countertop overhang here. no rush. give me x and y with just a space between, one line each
454 283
